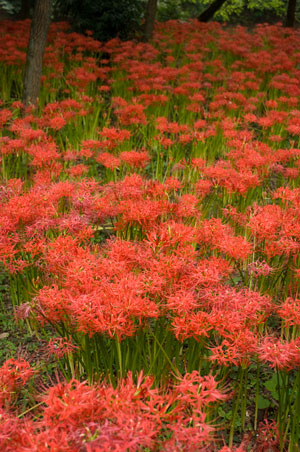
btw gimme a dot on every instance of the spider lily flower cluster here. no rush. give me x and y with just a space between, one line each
150 212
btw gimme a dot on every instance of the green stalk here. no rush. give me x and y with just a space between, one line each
236 408
244 401
295 428
165 354
256 396
119 353
280 412
30 409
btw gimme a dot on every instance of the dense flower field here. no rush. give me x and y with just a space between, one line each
150 228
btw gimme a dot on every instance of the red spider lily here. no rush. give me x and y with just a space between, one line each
172 183
289 311
129 113
259 268
144 212
237 350
5 116
135 159
278 227
198 391
170 127
203 187
130 416
78 170
151 99
187 206
231 179
23 311
14 373
198 163
249 304
279 354
114 137
42 155
14 433
193 436
57 123
59 346
214 233
268 436
193 324
108 160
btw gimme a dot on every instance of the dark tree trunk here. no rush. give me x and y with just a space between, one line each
36 47
211 10
290 16
150 19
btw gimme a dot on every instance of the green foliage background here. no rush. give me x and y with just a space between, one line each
106 18
231 11
123 18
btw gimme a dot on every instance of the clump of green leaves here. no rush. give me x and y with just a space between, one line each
106 19
237 11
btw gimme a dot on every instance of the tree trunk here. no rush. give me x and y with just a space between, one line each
211 10
150 19
290 16
36 47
